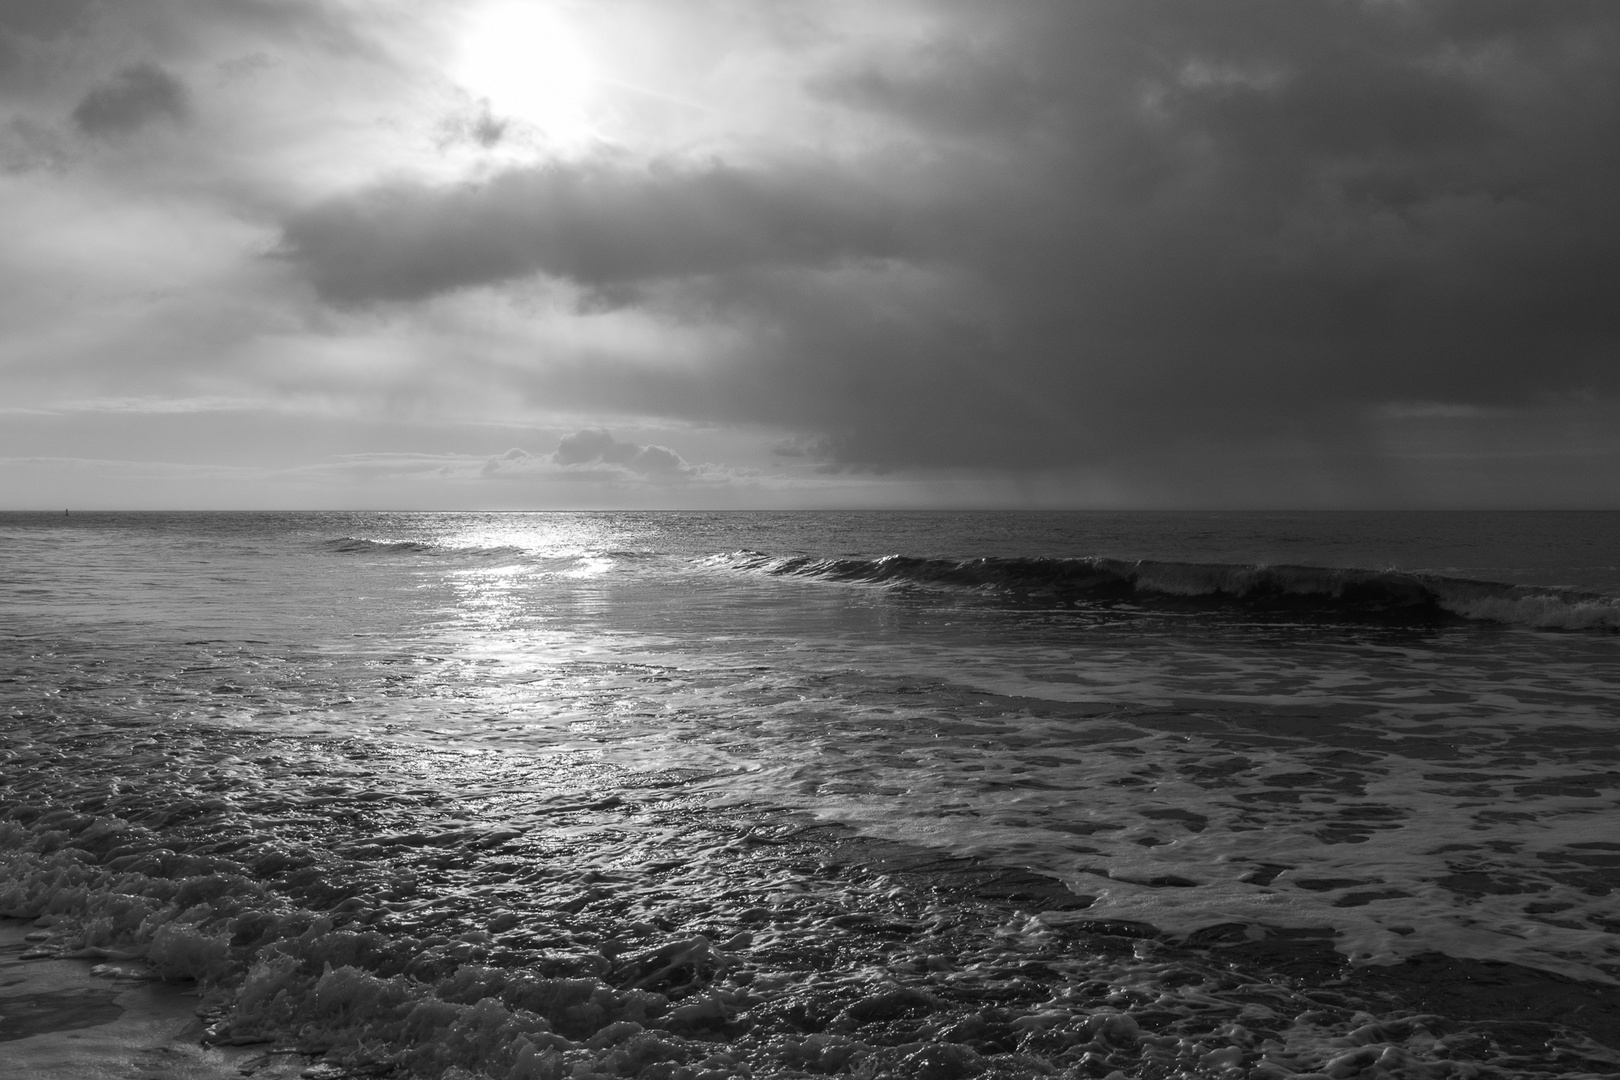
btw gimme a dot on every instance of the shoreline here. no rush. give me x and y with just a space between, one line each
818 949
67 1019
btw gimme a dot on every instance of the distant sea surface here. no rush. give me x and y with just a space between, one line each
742 764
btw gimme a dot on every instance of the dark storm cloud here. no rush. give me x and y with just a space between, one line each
134 98
1099 229
41 19
603 224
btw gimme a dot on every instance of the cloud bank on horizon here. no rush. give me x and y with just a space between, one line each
1101 252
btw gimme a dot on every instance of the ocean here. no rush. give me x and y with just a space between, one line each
937 795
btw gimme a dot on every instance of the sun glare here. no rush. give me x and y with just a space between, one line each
524 60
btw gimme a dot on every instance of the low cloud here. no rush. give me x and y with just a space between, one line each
596 446
134 98
595 454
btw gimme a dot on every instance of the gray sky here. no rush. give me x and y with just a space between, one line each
1124 253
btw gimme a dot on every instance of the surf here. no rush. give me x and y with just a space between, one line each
1388 595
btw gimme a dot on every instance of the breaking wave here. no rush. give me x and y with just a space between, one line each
1324 591
354 545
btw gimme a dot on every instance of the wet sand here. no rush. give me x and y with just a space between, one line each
83 1020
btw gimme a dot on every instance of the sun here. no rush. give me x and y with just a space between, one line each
523 58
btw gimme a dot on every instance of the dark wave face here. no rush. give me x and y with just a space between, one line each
353 545
357 545
1384 595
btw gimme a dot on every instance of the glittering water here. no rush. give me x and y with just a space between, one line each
598 752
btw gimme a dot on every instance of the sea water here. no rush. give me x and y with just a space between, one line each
789 794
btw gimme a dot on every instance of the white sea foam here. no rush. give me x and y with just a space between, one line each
1557 611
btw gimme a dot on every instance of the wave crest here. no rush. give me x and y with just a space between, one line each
1325 591
354 545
